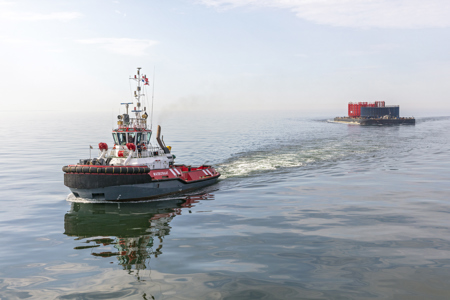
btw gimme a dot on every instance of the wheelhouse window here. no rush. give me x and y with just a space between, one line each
149 134
139 138
131 137
116 140
122 138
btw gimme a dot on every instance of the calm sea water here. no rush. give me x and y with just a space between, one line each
305 209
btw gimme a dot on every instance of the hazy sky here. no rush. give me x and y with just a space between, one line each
306 55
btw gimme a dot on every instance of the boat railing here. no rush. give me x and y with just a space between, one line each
139 123
148 152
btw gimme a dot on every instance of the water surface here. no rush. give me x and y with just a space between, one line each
305 209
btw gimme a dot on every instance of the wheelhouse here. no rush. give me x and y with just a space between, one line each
137 137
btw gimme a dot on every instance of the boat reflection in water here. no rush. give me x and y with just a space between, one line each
132 232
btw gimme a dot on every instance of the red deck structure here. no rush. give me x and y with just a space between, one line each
354 109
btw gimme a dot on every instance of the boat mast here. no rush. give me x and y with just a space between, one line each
153 94
140 121
138 97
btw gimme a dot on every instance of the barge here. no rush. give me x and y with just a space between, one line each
377 113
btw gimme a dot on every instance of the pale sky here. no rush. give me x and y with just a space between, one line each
305 55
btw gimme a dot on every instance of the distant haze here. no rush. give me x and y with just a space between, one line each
226 55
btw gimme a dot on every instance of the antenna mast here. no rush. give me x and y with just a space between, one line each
139 120
153 94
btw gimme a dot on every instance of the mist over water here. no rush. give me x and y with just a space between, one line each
304 209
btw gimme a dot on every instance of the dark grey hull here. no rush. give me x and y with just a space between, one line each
376 121
148 190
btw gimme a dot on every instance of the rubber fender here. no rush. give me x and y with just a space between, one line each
83 181
105 170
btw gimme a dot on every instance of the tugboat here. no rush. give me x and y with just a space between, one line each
134 169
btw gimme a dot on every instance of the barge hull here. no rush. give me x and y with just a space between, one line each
376 121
